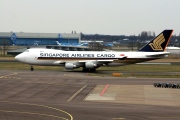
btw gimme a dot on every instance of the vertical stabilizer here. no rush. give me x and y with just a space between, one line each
159 43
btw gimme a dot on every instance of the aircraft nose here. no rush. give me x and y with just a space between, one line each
20 58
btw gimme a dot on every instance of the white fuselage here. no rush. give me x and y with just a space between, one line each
51 57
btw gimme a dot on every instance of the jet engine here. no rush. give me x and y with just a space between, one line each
90 65
70 66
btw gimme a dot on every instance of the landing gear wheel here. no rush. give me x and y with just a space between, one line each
92 70
85 70
89 70
32 68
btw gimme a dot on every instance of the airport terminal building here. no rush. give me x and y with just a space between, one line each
28 39
20 41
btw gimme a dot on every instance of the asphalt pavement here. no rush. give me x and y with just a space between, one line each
55 95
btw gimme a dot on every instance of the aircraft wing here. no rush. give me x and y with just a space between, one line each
106 60
99 61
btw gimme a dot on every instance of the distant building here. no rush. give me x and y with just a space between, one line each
28 39
173 50
86 42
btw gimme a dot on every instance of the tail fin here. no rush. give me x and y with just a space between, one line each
159 43
58 43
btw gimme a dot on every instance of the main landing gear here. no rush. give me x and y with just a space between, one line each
32 68
89 70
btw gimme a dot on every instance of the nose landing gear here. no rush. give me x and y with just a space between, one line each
32 68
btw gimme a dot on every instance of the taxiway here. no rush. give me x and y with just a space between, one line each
55 95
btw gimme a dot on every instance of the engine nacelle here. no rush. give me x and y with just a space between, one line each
70 66
90 65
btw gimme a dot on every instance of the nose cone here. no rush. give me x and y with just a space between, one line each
20 58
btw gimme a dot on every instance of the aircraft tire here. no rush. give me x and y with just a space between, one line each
89 70
32 69
92 70
85 70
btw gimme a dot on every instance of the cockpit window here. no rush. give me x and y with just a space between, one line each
26 51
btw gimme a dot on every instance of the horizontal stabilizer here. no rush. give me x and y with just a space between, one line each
158 55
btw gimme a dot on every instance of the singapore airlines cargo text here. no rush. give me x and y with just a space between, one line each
76 55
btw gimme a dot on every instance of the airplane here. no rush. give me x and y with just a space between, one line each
59 44
91 60
108 44
36 43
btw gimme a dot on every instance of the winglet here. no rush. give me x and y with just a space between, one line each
159 43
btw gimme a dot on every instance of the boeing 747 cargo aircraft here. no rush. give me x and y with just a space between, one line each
91 60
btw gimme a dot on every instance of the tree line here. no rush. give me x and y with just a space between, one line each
143 36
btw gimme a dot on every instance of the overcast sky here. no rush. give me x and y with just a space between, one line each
113 17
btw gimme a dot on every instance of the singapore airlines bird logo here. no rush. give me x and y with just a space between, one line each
156 45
